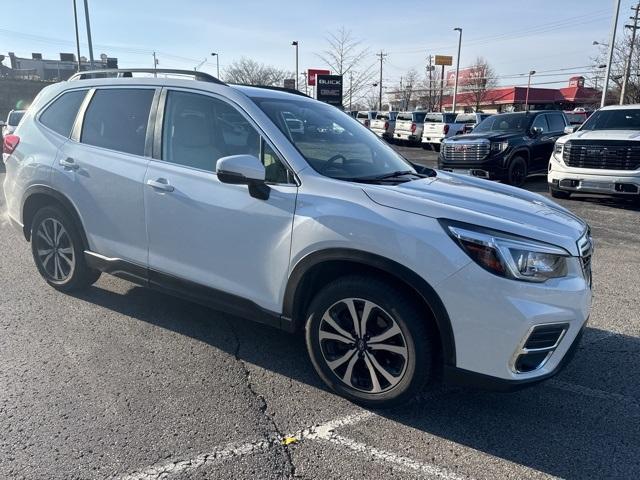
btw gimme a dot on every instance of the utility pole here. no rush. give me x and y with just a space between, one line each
430 85
86 16
455 86
75 20
627 68
612 41
442 88
381 55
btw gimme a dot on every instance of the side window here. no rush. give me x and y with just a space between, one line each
61 114
198 130
541 121
117 119
556 122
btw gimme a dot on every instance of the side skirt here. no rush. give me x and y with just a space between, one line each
195 292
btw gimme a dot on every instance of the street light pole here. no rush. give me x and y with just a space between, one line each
86 16
214 54
526 102
455 86
295 44
75 20
612 42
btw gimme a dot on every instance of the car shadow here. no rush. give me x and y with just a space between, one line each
585 423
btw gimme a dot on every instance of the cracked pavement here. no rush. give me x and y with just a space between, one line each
121 381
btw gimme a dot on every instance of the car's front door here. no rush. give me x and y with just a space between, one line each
101 170
207 232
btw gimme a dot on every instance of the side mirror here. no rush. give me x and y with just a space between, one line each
536 131
569 129
244 170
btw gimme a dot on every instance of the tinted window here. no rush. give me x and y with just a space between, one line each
465 119
382 116
419 117
60 115
15 117
404 116
504 122
363 115
199 130
540 122
613 120
556 122
117 119
433 118
449 117
576 118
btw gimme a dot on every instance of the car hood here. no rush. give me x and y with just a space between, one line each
491 136
603 135
484 203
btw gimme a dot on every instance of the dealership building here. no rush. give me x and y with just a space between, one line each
38 68
509 99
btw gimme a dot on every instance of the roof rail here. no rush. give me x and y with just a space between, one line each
271 87
128 72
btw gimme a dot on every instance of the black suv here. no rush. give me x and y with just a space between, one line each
506 147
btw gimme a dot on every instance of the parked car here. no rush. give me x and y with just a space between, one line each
365 117
13 119
438 126
507 146
577 117
470 121
602 157
384 124
409 127
394 272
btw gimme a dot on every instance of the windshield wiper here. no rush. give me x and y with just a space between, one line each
386 176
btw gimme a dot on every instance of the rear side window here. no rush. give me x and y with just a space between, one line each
117 119
541 122
556 122
60 115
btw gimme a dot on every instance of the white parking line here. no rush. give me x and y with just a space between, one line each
403 463
591 392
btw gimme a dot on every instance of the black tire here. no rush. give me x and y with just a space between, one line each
436 147
555 193
393 309
426 146
65 275
517 173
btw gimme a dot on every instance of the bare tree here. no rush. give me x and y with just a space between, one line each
250 72
481 78
620 54
346 56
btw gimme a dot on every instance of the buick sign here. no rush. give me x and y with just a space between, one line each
329 89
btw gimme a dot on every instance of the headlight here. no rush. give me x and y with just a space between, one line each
497 147
557 148
511 257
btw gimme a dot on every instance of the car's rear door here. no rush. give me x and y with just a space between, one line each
206 232
101 170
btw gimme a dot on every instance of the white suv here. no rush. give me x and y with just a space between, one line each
603 156
206 190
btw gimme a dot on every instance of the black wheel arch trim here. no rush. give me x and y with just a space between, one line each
58 197
409 277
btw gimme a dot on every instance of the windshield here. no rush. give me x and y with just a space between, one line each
333 143
504 122
576 118
14 118
613 120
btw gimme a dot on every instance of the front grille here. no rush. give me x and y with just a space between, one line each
603 154
465 152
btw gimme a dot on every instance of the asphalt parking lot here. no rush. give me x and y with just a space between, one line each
123 382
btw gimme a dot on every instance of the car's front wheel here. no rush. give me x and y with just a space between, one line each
369 341
555 193
58 251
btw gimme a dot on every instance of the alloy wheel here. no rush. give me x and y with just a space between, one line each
363 345
55 250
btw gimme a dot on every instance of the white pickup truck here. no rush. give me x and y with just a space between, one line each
438 126
409 127
384 124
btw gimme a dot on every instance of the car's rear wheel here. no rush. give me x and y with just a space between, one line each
58 251
555 193
517 173
369 341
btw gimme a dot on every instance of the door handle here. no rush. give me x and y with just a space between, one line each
69 163
161 184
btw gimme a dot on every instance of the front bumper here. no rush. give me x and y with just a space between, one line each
492 318
578 180
491 168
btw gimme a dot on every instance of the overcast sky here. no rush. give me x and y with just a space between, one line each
515 36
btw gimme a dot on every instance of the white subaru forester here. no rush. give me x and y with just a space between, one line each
395 272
